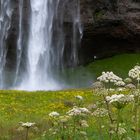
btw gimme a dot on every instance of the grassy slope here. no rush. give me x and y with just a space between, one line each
119 64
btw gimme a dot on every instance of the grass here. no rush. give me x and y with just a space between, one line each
119 64
17 106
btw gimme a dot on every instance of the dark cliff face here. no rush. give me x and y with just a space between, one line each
109 27
14 33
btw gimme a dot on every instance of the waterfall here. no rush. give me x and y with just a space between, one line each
5 20
54 35
39 46
45 54
19 42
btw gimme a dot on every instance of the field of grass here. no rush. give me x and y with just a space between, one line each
21 106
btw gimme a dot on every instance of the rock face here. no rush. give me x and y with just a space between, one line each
109 27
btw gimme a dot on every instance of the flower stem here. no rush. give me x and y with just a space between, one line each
109 115
27 131
118 121
108 108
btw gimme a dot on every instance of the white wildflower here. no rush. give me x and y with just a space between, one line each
119 83
121 131
111 89
109 77
100 92
64 119
78 111
130 86
27 124
84 123
120 89
135 73
54 114
79 97
119 100
100 112
83 133
136 93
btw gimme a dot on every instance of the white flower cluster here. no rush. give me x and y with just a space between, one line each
27 124
54 114
84 123
64 119
121 131
136 93
120 83
121 98
78 111
135 73
100 92
111 77
100 112
79 97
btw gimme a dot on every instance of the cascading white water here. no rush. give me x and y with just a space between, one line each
5 20
19 42
39 46
44 56
76 28
40 62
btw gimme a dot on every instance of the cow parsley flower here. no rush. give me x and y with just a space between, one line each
27 124
54 114
101 92
79 97
136 93
109 77
84 123
100 112
119 100
78 111
121 131
135 73
119 83
64 119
